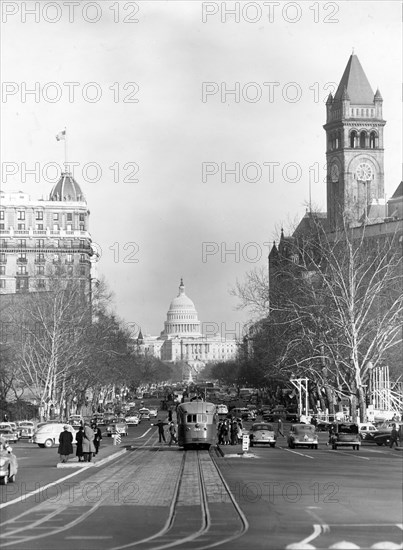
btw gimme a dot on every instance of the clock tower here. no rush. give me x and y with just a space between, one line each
354 147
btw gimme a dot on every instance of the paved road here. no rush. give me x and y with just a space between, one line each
275 498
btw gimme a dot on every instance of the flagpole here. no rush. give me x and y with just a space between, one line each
65 149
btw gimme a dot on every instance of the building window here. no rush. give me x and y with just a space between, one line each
55 217
82 271
21 215
69 217
22 243
82 227
69 259
82 243
82 258
363 136
81 217
2 227
69 227
55 227
1 214
40 270
41 283
21 269
40 243
39 215
40 257
353 139
22 284
22 257
373 140
21 226
39 226
2 269
2 283
3 258
69 270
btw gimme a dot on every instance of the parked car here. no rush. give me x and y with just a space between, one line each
262 433
345 434
382 437
9 435
133 419
222 409
8 463
26 429
303 435
48 434
367 431
117 427
144 413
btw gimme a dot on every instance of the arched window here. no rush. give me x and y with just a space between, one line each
373 140
353 139
363 136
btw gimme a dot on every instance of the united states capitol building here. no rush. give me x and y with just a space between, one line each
182 339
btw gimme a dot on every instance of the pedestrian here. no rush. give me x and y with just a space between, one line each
161 434
234 432
5 417
97 437
280 427
79 440
227 433
172 434
88 443
393 436
170 415
65 444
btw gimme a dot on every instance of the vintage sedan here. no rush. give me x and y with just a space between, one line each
117 427
144 413
9 435
382 436
47 435
345 434
26 429
8 463
262 433
133 419
367 431
303 435
153 412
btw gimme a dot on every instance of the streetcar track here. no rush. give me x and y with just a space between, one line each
171 534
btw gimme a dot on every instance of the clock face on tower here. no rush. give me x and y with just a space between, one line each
334 173
364 172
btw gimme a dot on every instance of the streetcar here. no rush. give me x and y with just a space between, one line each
197 424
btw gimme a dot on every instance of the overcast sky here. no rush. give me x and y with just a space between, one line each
138 101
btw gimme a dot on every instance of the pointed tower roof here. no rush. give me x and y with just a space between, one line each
378 95
356 83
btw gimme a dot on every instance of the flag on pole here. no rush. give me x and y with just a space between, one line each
61 135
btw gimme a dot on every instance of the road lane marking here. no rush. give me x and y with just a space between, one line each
350 454
317 529
296 452
23 497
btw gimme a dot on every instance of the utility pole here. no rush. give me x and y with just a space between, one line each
301 384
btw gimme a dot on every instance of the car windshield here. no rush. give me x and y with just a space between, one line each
258 427
348 428
304 428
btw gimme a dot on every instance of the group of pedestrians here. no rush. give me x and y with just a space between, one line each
88 439
229 431
171 429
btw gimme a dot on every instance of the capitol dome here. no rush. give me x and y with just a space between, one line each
182 320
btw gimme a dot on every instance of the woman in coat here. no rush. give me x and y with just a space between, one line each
65 444
88 443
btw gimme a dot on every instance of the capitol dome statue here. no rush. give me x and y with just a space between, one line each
182 320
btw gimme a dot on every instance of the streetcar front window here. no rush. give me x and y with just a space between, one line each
196 418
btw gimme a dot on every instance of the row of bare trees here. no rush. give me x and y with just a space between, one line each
62 346
330 310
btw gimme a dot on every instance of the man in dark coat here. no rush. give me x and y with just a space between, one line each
65 444
161 434
79 440
97 437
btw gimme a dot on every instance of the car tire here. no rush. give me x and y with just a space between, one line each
48 443
316 447
334 447
251 443
4 480
272 445
379 443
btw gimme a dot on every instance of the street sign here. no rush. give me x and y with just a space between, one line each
245 443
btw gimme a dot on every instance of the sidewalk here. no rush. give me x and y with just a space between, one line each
106 454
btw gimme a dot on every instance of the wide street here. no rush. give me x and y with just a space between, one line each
154 496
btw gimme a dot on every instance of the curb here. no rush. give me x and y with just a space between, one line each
85 465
